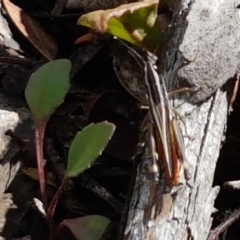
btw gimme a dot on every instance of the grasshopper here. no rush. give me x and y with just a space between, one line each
169 139
166 140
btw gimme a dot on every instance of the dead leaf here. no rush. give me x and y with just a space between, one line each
85 38
32 30
134 22
99 19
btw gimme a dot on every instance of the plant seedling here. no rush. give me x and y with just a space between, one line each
85 148
45 91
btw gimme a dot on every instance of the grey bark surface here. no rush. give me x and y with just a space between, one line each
202 51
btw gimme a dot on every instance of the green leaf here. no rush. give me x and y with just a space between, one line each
87 146
134 22
47 88
89 227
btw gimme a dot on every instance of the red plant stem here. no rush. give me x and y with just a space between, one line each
39 135
56 197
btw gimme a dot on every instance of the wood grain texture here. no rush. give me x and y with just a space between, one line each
197 54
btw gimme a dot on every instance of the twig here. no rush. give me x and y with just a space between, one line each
224 225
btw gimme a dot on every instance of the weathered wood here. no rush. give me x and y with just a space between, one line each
202 51
186 212
204 46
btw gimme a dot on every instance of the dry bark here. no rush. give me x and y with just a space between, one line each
202 51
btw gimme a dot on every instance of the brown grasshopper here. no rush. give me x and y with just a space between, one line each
164 138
